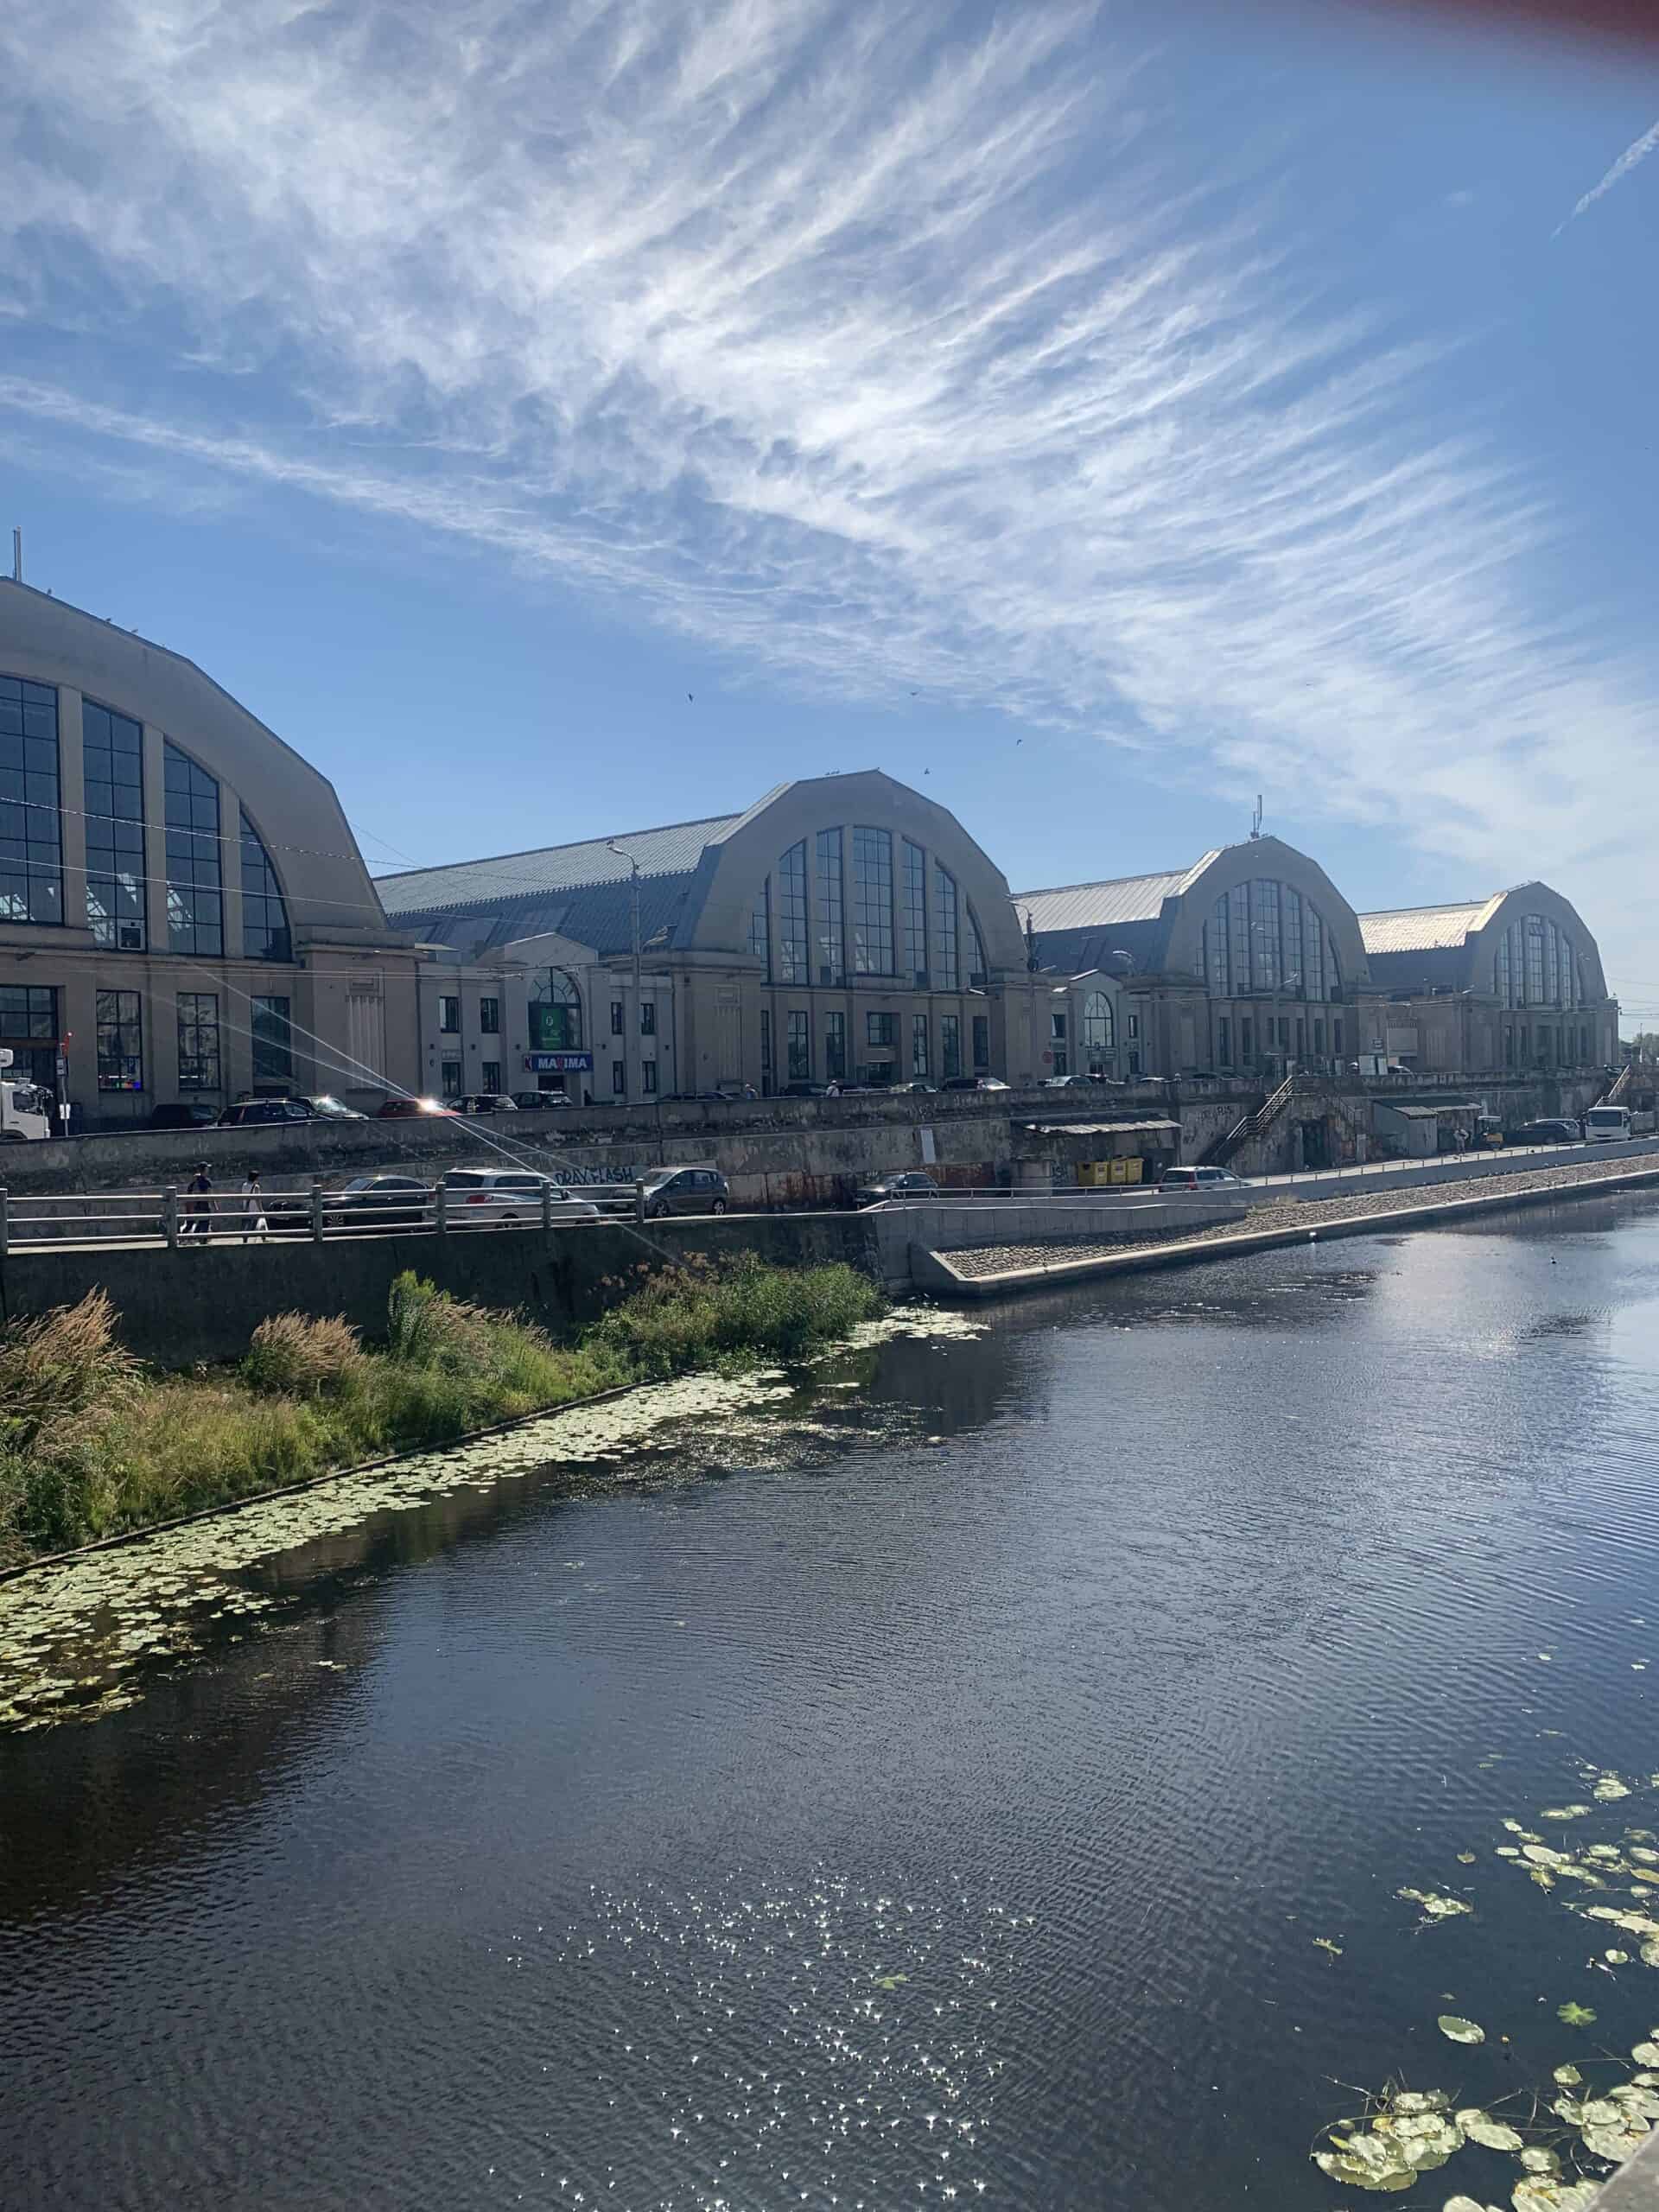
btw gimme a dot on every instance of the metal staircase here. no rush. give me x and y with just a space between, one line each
1253 1125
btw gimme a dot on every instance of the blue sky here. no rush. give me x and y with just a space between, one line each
1092 415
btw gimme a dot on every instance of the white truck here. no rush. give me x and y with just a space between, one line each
25 1111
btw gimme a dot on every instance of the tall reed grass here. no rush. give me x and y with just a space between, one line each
90 1445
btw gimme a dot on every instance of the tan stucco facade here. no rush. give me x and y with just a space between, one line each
767 1017
348 982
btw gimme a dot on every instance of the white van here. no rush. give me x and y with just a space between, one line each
25 1112
1606 1124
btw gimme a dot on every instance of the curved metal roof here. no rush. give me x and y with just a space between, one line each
1427 929
674 849
1096 905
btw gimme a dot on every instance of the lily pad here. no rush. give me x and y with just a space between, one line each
1549 2193
1616 2144
1491 2134
1575 2015
1459 2030
1537 2160
1367 2162
1568 2076
1435 1906
1645 2054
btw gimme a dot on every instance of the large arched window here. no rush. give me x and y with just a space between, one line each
1265 940
1534 963
112 762
31 853
978 973
554 1013
1099 1029
947 966
792 916
872 901
761 927
195 901
820 916
832 921
265 917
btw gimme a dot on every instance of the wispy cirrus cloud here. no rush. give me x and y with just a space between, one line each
885 347
1632 157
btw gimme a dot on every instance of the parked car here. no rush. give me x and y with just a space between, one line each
326 1108
911 1185
538 1102
973 1082
1203 1182
410 1109
187 1114
488 1102
685 1190
931 1089
260 1113
802 1090
1548 1132
508 1198
382 1201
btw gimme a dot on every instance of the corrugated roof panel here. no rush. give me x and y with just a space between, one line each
1096 905
1422 929
673 849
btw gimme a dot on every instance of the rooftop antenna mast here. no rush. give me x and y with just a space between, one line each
1255 819
18 553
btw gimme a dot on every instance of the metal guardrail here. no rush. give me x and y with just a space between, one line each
181 1218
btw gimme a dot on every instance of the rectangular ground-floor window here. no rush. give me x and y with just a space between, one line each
648 1077
490 1077
834 1048
1336 1035
950 1045
120 1041
198 1062
273 1041
1246 1038
29 1029
765 1053
982 1045
918 1043
618 1078
798 1044
1223 1041
449 1077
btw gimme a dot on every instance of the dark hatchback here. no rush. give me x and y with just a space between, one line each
1548 1133
685 1190
382 1201
897 1187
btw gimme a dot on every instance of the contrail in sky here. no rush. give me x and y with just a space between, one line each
1630 158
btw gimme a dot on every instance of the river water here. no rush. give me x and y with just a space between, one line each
986 1776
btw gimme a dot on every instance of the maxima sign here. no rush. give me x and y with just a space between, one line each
558 1063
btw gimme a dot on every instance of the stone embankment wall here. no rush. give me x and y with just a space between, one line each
205 1301
774 1151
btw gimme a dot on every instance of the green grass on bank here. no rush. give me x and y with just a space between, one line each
91 1445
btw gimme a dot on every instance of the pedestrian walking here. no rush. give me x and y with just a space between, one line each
253 1208
199 1218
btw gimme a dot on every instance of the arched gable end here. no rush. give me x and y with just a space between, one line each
1263 859
781 839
